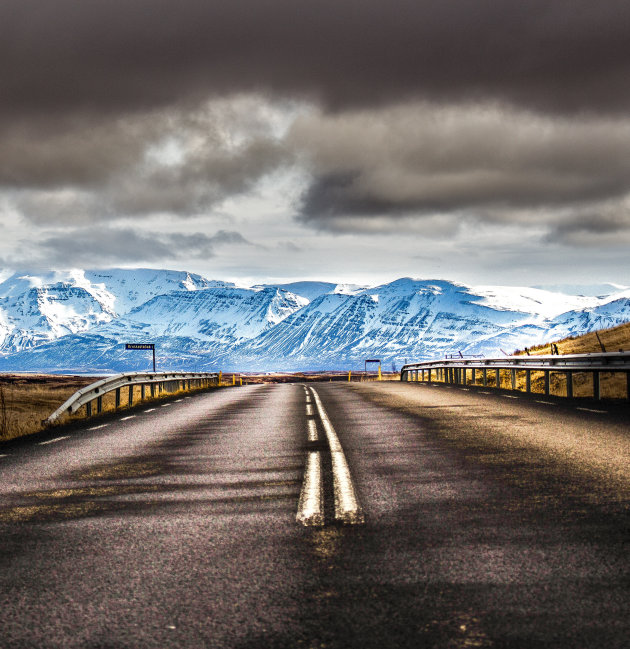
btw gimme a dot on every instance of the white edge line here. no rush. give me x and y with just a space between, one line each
547 403
129 417
599 412
52 441
97 427
347 508
310 504
150 409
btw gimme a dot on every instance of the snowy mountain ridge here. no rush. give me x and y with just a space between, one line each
80 320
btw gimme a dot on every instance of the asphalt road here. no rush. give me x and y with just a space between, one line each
478 521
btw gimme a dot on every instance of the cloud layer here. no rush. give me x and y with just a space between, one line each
125 55
421 116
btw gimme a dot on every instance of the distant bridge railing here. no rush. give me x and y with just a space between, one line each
466 371
155 383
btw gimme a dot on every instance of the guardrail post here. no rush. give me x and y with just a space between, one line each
597 394
485 377
152 389
117 398
142 391
528 381
628 385
88 409
130 402
547 373
99 404
474 375
569 385
513 379
498 377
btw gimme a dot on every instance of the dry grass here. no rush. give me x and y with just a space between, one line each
612 384
26 400
615 339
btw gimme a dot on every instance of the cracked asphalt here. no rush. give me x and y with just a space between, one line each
488 523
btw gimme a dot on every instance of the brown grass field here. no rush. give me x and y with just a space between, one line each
613 384
25 400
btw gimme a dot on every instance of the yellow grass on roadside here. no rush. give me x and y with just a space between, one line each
25 400
614 339
612 384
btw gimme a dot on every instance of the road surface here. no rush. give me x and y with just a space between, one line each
320 516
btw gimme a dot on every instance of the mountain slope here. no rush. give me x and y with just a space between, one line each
211 325
39 307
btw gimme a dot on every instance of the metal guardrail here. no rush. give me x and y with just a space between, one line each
154 381
455 371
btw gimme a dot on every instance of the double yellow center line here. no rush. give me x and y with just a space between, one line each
311 506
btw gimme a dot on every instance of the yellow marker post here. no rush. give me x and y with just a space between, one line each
233 379
220 378
380 378
349 376
241 378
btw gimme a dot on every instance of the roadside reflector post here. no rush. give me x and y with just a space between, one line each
233 379
220 377
349 376
596 386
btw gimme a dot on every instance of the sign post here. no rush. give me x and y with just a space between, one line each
150 346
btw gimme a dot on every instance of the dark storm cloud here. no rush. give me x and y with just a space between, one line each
490 162
120 56
610 227
103 245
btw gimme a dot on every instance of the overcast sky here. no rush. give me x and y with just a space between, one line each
360 141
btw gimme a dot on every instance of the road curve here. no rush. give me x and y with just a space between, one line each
178 525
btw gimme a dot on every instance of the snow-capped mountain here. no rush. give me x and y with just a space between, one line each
39 307
81 321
